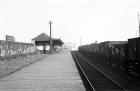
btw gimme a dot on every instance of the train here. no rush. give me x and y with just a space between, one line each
121 55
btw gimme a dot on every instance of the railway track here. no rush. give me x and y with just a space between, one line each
93 78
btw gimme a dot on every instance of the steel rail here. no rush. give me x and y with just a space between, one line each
93 89
103 73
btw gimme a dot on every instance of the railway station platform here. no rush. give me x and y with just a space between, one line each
56 72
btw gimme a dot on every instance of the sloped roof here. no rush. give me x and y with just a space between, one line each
58 42
42 37
45 38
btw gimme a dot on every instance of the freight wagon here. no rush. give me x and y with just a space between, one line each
121 55
134 56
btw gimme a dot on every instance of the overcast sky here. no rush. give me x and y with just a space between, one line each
90 20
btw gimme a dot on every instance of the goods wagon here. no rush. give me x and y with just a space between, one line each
122 55
134 56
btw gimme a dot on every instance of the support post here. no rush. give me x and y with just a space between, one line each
44 49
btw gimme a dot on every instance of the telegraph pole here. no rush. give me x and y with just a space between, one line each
139 23
50 23
80 41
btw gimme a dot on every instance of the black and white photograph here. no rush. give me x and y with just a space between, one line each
69 45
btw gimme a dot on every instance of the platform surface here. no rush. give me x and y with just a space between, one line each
56 72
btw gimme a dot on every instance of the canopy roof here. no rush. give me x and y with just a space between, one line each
42 37
58 42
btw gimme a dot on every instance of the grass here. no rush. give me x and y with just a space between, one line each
10 65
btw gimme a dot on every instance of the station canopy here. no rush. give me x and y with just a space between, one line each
44 39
